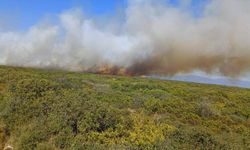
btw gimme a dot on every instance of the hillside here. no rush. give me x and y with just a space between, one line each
47 110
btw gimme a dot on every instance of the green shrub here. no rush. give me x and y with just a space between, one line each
204 110
46 109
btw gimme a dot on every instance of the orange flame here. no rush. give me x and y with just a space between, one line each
111 70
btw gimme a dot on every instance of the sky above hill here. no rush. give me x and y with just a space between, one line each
20 15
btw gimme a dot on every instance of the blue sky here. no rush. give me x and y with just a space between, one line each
24 13
21 14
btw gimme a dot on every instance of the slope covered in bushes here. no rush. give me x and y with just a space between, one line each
43 109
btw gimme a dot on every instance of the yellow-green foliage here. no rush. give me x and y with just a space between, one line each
45 109
146 132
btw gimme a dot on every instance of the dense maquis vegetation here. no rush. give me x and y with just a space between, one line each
47 110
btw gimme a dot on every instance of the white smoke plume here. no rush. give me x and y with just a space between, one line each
154 38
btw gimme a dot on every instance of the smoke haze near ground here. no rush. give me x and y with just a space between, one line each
153 38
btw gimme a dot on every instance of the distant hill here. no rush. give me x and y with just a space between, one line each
48 110
208 80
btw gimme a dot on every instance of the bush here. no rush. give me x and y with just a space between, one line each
64 110
204 110
32 88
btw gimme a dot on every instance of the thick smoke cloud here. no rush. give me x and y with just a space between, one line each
154 38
